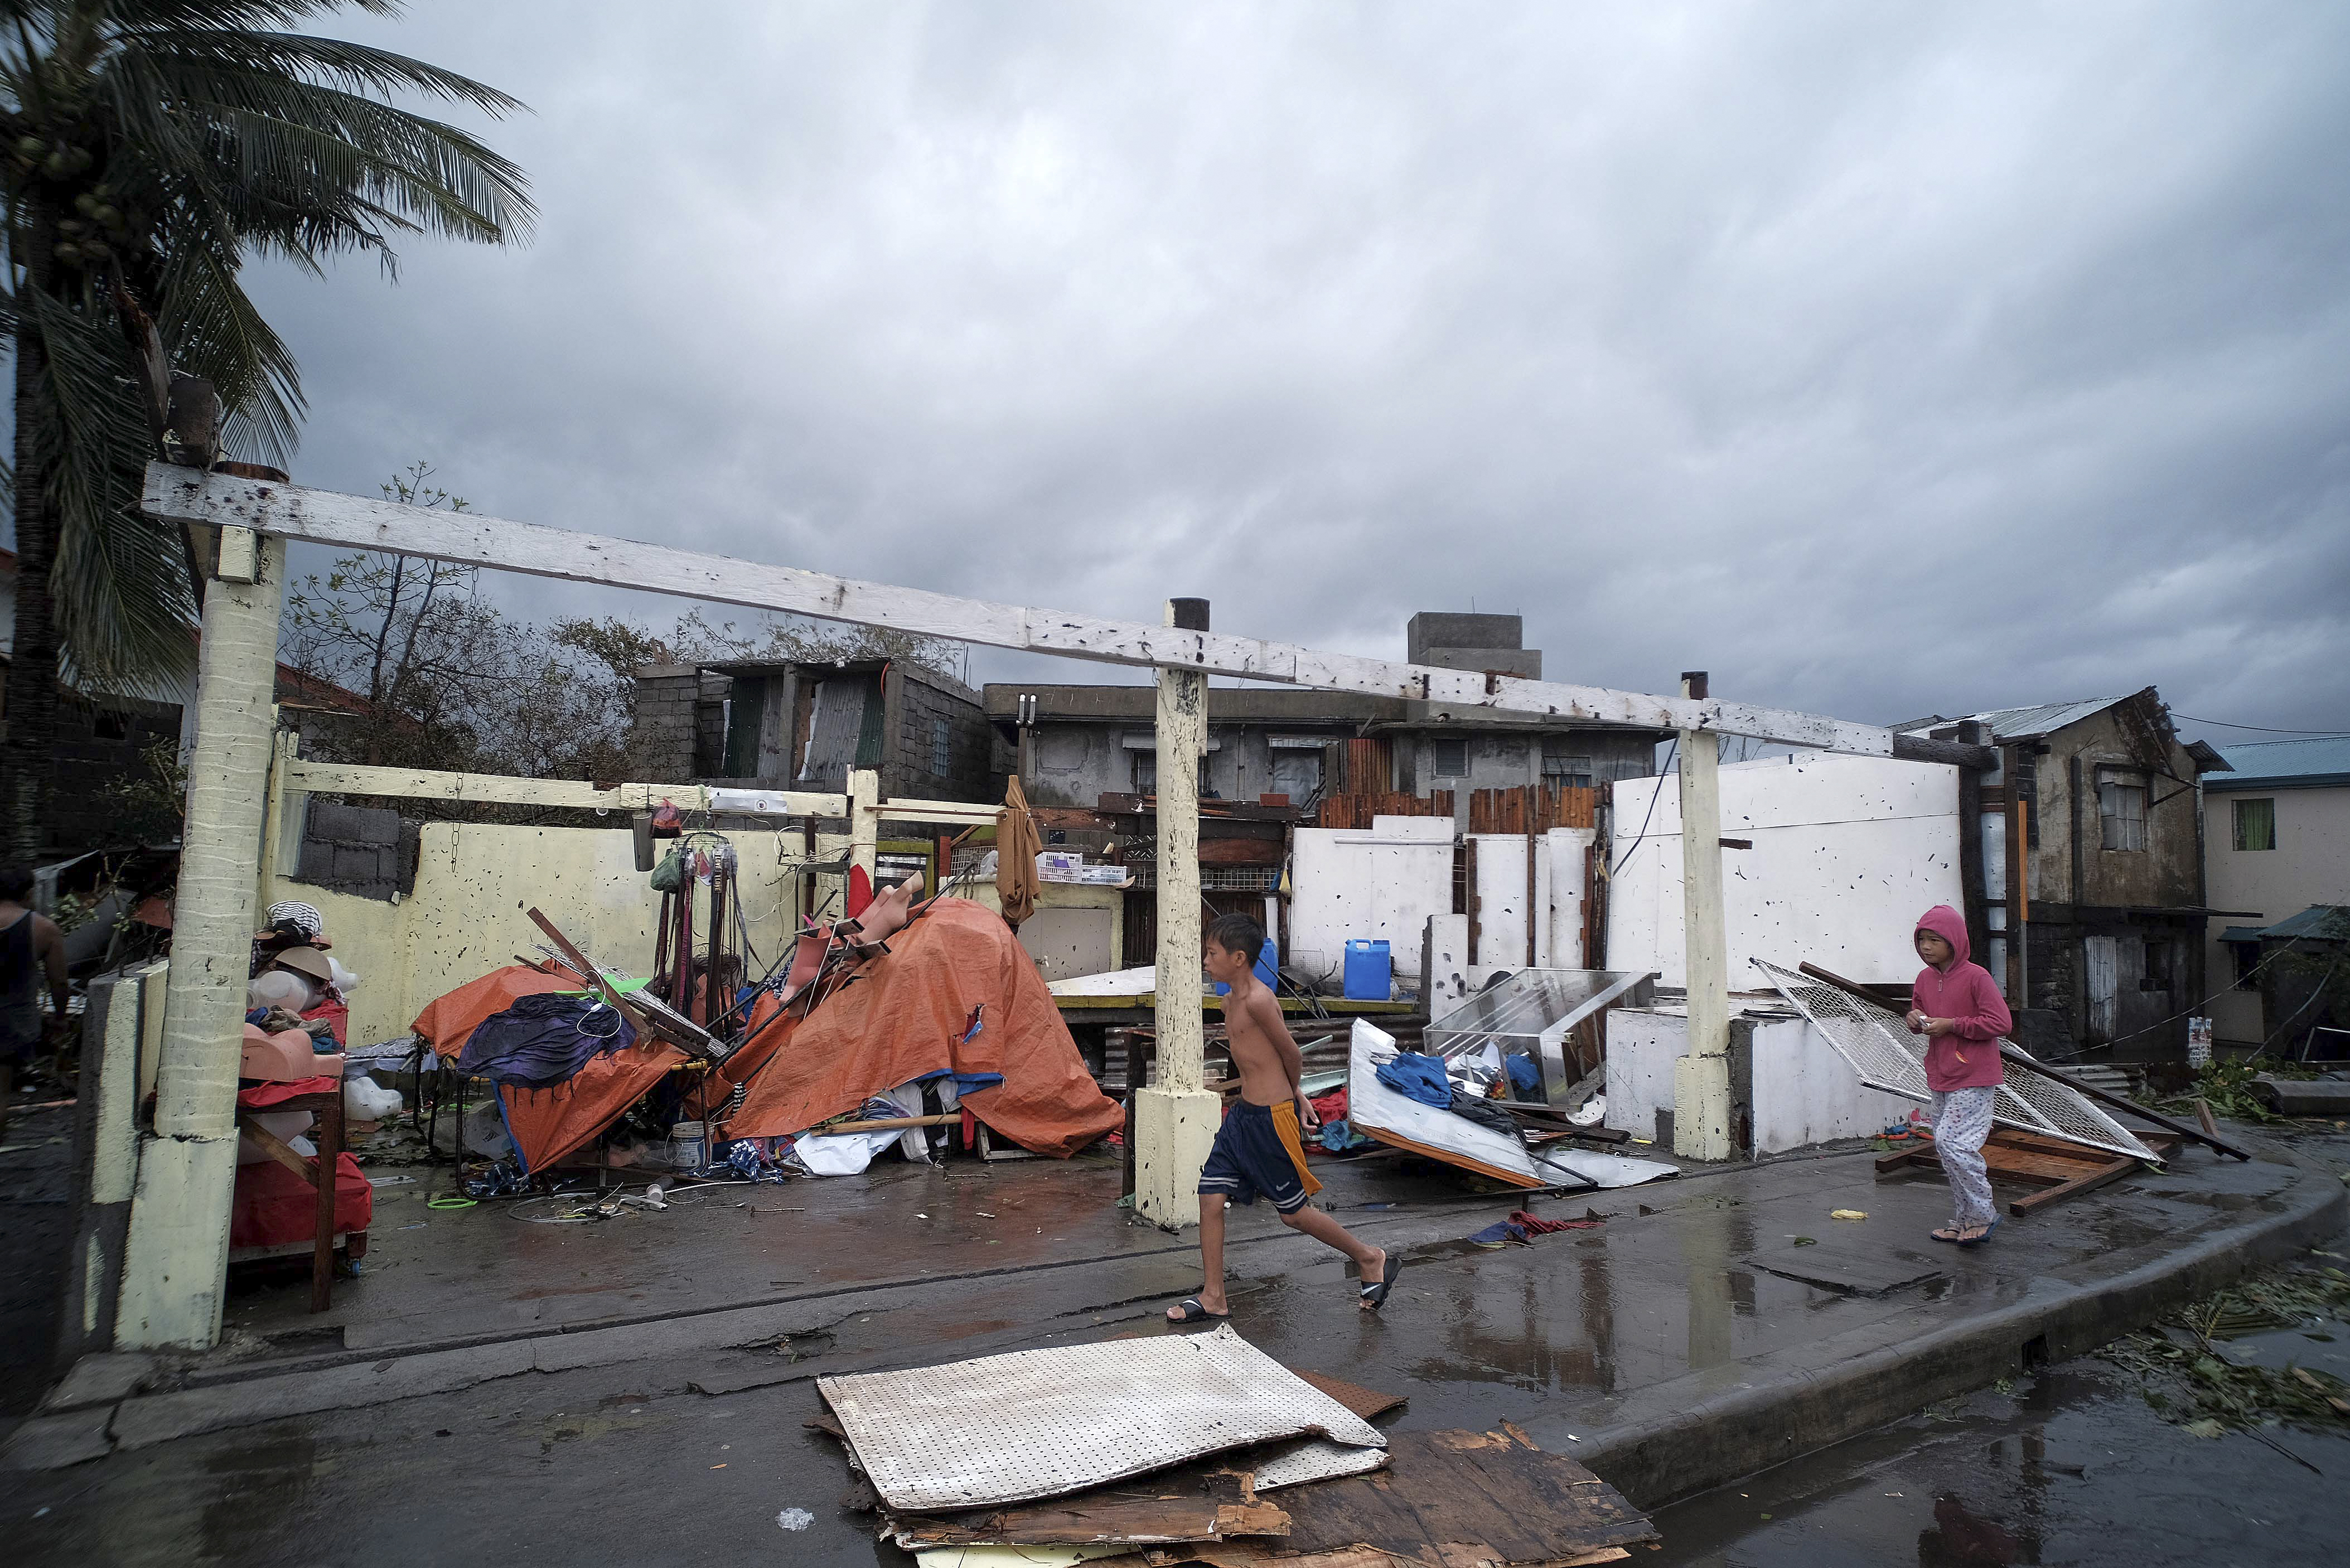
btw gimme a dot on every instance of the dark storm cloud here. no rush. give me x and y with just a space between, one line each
1881 359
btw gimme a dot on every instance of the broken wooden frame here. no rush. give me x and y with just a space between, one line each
172 1270
2061 1169
189 497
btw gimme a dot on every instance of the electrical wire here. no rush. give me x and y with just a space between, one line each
1663 772
2193 1012
2267 728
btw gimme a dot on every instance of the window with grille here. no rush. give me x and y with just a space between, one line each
2255 824
1451 759
1146 772
2121 807
1562 769
941 746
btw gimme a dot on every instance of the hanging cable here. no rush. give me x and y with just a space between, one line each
1663 772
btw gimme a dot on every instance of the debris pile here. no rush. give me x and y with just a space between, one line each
1149 1453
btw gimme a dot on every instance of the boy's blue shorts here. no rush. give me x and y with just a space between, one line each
1258 1151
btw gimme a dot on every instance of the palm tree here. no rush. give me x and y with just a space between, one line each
147 149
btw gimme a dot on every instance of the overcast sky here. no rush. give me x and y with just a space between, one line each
1880 360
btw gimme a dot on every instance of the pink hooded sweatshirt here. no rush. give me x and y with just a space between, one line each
1967 1058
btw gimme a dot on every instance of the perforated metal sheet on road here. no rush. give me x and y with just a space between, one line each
1894 1061
1038 1423
1312 1459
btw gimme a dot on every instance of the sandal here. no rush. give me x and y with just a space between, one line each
1945 1233
1979 1240
1191 1311
1375 1294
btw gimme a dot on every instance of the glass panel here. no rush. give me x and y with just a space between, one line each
2255 824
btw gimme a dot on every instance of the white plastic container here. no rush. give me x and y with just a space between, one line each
689 1148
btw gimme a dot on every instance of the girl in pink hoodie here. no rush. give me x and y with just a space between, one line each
1958 1007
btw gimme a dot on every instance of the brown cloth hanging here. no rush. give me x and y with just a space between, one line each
1016 847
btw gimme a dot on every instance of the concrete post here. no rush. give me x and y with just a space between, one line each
1175 1122
1702 1078
176 1261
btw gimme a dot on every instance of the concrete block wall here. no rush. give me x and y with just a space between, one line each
365 851
667 695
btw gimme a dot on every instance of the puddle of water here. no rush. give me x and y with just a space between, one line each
2069 1467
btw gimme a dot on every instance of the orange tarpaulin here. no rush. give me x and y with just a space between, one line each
448 1021
547 1124
905 1016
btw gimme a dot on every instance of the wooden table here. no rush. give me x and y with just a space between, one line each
319 1173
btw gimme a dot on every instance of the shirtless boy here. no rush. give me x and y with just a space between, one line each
1258 1150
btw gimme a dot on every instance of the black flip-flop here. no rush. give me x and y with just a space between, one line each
1194 1312
1375 1295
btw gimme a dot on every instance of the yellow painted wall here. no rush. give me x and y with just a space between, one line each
476 885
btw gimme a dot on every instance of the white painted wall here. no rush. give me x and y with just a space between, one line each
1643 1043
1558 898
1381 885
1800 1092
2310 865
1848 852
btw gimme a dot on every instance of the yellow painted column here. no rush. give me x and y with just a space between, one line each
176 1261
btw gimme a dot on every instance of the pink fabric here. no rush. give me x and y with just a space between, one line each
1965 993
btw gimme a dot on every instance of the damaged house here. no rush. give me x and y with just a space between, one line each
1077 743
803 724
2093 848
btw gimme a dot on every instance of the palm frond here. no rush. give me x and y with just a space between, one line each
356 69
124 605
212 328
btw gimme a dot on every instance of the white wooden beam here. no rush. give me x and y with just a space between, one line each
420 784
350 521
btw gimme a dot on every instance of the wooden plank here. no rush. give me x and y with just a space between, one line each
419 784
1446 1157
1186 1505
1445 1489
2114 1171
277 1147
186 495
322 1250
1364 1402
887 1123
2080 1086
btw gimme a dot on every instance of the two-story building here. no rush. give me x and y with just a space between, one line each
2093 829
2277 849
1076 743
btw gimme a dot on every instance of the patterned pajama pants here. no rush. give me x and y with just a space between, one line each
1962 1123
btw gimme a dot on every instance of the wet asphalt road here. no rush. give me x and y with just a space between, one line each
2068 1467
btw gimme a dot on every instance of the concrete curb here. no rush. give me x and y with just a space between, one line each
1691 1434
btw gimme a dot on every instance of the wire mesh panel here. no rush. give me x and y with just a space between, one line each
1895 1062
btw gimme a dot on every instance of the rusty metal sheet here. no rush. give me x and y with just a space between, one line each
1043 1423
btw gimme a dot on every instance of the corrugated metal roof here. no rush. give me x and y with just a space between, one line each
2023 724
2265 764
2317 920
